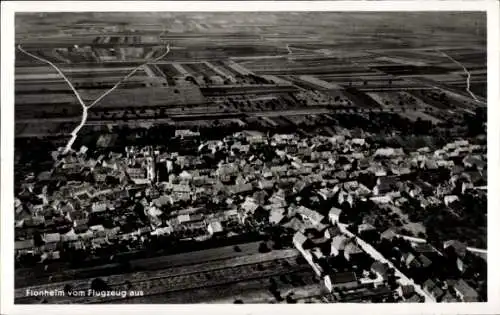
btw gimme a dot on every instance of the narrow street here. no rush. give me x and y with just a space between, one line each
403 279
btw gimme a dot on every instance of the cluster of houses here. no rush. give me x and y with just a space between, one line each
420 260
341 263
86 201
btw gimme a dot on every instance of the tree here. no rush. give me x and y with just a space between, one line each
263 248
99 285
37 239
290 299
67 289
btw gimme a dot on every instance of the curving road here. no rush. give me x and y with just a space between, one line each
85 107
466 72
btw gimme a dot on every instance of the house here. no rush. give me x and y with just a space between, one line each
249 206
34 221
231 215
400 202
377 170
450 199
278 199
414 298
410 260
51 255
424 248
266 184
52 238
388 234
332 231
366 229
424 261
343 280
144 230
338 244
299 186
400 170
241 188
448 298
69 236
181 189
458 247
99 206
162 201
182 218
295 224
185 176
24 245
186 133
80 227
385 185
464 292
426 188
429 164
162 231
381 269
358 141
474 161
389 152
474 177
79 217
309 215
352 252
431 287
362 191
214 227
406 291
276 215
334 215
344 197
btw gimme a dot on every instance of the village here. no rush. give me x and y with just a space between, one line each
349 207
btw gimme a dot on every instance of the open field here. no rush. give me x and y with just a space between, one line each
347 67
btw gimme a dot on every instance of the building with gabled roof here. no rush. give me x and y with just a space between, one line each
334 215
338 244
309 215
344 280
465 292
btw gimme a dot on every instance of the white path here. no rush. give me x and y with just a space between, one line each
477 250
466 72
85 107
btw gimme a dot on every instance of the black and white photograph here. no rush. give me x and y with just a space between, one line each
257 157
